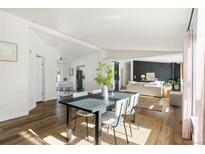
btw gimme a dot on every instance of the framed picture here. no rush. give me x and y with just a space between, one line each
150 76
8 51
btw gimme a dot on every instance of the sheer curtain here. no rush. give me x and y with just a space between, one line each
199 80
194 82
187 86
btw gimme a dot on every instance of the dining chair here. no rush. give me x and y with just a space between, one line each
80 94
96 91
114 118
81 112
131 109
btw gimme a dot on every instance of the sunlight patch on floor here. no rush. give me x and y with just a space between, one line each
167 109
32 132
54 141
151 107
64 134
140 136
28 137
90 125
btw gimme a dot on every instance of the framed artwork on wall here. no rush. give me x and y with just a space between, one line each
8 51
150 76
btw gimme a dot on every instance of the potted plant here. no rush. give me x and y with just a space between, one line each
176 84
167 86
104 77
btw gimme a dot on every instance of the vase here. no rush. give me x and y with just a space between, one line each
105 91
176 87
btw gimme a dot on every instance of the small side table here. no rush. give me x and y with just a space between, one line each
175 98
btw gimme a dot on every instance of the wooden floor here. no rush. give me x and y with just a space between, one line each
46 125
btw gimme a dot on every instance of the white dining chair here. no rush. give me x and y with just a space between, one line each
81 112
114 118
131 109
96 91
80 94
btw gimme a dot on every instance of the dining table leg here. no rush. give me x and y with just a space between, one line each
98 128
68 124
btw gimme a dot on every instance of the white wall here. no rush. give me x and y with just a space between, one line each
91 63
125 72
14 75
50 54
17 79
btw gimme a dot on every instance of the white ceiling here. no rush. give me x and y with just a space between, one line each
68 49
116 29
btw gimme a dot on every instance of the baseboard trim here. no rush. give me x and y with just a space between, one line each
13 116
55 99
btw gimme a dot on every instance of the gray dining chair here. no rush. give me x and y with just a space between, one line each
81 112
131 109
114 118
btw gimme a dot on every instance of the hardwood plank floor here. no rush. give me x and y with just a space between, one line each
46 124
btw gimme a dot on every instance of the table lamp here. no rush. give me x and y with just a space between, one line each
142 76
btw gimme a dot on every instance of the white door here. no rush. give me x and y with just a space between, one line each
39 79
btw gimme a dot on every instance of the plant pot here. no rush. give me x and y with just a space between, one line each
176 87
105 91
166 91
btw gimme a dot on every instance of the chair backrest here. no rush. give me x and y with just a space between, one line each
80 94
64 84
121 107
96 91
134 100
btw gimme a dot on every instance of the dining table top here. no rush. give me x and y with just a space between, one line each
95 102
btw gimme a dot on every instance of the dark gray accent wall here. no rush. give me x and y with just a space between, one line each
176 71
163 71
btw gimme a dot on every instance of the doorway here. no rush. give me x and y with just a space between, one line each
117 75
80 78
40 79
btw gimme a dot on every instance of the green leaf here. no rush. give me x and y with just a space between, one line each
104 74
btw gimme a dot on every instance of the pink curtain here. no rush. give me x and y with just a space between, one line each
187 87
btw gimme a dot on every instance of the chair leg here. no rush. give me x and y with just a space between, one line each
108 128
87 126
126 133
138 127
114 135
134 120
75 119
135 123
93 119
130 128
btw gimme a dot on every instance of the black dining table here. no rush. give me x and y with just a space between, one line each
92 103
